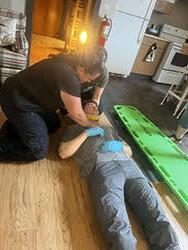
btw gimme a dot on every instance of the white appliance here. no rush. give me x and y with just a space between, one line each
167 72
129 22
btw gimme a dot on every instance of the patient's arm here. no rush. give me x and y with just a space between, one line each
67 149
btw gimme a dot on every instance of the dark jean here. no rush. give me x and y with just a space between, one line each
25 134
117 183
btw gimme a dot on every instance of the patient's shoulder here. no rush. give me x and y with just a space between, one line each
71 132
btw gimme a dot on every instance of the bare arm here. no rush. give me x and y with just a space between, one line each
127 150
67 149
74 108
97 95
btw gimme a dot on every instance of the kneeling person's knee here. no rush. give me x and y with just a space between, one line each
39 150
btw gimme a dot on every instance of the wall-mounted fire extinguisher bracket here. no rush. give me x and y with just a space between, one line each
104 32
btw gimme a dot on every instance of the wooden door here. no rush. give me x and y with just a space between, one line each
47 16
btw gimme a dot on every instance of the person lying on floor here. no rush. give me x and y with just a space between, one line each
115 180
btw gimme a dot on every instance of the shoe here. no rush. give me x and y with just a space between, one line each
174 138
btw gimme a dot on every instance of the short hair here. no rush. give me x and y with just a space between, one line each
93 59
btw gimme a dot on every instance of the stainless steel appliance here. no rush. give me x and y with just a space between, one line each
167 72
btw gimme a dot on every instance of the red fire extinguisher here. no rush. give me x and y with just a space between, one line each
105 28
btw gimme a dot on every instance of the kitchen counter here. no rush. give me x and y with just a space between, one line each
162 39
185 49
185 45
156 37
141 66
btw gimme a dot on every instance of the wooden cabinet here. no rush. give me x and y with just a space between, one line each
164 7
149 68
47 17
185 49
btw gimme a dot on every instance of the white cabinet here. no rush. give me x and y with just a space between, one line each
122 45
107 7
129 22
172 1
139 8
136 7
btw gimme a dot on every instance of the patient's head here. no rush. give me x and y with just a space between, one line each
91 111
91 108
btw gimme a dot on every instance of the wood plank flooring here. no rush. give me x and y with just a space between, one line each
45 205
42 46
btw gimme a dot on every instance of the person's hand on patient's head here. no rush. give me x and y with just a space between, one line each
91 111
95 132
91 108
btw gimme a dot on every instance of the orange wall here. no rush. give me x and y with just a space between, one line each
47 16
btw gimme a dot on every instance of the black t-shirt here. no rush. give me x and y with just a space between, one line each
38 87
100 82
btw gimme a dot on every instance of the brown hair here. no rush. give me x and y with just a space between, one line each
93 59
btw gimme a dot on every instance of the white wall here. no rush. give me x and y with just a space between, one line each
18 5
178 18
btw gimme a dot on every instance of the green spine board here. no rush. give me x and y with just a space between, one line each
167 158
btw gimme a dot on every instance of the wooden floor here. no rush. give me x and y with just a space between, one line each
42 46
45 205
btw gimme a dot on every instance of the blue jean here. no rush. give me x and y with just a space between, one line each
114 184
29 134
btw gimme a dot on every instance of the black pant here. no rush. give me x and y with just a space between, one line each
26 134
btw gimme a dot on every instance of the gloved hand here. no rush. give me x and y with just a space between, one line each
113 146
95 131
